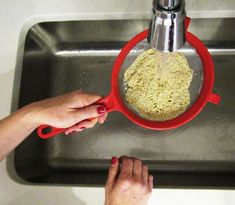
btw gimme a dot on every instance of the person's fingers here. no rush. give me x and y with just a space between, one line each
145 174
74 128
79 99
102 118
88 112
112 175
150 181
126 168
137 169
81 126
88 123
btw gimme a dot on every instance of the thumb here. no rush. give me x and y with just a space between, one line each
88 112
113 171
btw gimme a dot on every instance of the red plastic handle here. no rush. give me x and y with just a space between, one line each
47 131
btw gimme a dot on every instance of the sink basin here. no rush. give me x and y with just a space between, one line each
64 56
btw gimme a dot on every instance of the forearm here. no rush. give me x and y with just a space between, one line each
15 128
70 111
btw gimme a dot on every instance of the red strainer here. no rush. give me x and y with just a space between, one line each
114 101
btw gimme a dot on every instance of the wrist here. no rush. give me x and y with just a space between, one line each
28 115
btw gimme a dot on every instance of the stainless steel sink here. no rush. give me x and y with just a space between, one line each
63 56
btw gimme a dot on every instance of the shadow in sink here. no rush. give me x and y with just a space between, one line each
63 56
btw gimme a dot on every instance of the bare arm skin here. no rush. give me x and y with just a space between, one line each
74 109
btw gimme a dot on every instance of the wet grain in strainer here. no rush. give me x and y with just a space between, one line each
157 85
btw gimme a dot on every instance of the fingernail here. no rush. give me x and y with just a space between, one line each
114 160
101 110
82 128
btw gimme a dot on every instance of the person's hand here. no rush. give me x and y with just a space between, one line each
75 111
131 186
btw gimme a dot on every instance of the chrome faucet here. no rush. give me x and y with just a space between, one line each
167 30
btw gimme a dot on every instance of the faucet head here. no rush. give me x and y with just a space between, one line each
167 30
168 4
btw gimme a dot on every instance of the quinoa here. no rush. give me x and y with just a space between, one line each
157 85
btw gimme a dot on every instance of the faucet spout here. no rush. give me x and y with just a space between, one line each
167 30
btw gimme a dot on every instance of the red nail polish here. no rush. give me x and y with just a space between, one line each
101 110
114 160
82 128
